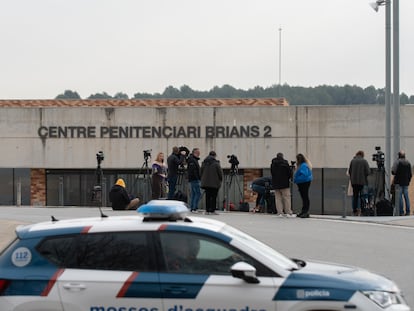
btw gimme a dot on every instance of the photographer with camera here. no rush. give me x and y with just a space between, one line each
194 176
159 171
175 162
358 174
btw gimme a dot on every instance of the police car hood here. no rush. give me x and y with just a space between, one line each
323 275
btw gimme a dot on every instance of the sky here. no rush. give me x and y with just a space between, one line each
130 46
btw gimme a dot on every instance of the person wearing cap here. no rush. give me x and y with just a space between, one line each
120 198
211 178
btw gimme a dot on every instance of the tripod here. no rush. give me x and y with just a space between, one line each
97 196
228 182
146 187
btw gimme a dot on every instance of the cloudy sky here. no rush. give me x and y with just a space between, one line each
129 46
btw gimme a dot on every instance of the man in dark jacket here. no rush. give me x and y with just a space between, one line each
281 176
174 160
211 178
193 170
402 171
358 174
120 198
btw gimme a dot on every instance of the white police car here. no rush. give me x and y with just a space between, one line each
163 260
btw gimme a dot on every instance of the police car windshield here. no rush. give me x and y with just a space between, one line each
260 247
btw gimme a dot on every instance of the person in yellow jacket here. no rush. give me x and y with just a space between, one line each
120 198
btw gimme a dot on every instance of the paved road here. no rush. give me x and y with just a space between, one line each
379 244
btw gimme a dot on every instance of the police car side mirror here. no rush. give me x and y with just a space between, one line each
244 271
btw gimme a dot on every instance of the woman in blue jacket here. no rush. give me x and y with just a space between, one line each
303 177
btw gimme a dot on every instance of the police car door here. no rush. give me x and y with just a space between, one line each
110 272
197 276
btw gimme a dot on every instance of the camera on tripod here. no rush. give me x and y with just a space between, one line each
99 157
234 163
147 154
185 152
379 157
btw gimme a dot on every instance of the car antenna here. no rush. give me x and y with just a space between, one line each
54 219
102 214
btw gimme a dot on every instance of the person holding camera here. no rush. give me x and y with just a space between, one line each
281 175
303 178
402 171
120 198
211 178
174 160
159 170
193 170
358 174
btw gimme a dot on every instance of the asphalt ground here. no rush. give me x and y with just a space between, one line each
12 216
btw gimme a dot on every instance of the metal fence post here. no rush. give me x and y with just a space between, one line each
397 200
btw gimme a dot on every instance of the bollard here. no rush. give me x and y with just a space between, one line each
19 193
61 191
397 200
344 192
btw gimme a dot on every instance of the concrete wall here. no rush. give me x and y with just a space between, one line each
328 135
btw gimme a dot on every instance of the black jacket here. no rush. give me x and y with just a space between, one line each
119 197
358 171
211 173
402 171
281 173
193 168
174 161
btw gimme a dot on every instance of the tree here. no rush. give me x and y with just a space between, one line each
68 94
102 95
121 95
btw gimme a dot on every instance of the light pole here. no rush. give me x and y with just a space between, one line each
280 62
375 6
396 74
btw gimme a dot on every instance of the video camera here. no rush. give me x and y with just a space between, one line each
184 151
379 157
234 163
233 160
147 153
99 157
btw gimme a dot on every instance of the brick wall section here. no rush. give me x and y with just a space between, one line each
38 187
249 176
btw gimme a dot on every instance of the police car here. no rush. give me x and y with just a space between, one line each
164 260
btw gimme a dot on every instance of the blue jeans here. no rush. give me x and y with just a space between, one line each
195 194
404 192
260 190
172 182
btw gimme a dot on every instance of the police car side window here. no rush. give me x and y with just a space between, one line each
127 251
185 252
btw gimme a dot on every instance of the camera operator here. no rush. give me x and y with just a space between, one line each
193 170
174 161
358 174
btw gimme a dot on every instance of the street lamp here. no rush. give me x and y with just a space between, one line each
375 6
